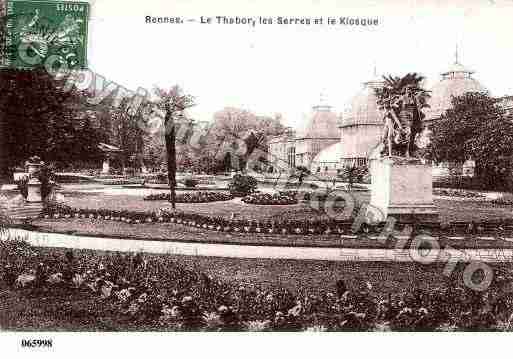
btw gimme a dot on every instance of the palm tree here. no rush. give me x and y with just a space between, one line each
173 103
394 87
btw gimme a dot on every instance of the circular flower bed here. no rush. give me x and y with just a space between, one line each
195 197
269 199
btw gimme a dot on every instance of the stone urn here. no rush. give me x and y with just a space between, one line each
33 165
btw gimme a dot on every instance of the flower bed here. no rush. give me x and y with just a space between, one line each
220 224
269 199
282 227
504 200
458 193
120 181
315 196
196 197
160 293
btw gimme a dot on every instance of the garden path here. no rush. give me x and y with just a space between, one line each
248 251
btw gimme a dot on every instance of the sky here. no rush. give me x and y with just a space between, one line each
272 69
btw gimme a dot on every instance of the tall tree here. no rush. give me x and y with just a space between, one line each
235 133
173 102
38 117
475 128
127 132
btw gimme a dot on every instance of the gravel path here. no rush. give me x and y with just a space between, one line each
248 251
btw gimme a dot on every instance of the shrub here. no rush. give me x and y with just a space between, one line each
504 200
354 174
242 185
300 172
22 185
190 182
159 178
45 176
470 183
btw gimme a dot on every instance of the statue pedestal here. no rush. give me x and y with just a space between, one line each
106 166
34 191
403 189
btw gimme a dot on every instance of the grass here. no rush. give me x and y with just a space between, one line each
94 198
223 209
450 210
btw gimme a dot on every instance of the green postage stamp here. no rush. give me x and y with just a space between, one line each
48 33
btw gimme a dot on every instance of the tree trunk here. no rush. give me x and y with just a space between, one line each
171 157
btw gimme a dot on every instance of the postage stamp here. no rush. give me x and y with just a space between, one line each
49 33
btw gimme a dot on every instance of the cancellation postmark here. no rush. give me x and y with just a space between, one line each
49 33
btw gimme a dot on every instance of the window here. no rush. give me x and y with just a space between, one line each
291 157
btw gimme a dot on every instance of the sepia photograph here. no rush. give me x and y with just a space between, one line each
317 166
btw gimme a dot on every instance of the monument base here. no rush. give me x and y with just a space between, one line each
403 189
34 191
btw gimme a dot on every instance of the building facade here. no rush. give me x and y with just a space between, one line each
299 148
360 126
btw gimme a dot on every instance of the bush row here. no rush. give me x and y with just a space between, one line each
471 183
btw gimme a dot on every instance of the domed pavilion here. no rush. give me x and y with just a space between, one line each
361 125
299 148
327 162
454 82
320 132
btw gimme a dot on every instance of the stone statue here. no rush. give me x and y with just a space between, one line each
402 100
392 128
410 118
402 123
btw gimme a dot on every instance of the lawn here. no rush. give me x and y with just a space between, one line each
224 209
450 210
94 196
113 197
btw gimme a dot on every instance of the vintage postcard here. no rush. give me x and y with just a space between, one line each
335 167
